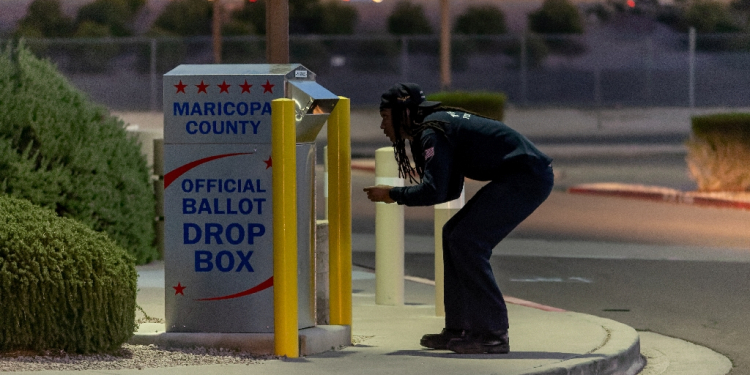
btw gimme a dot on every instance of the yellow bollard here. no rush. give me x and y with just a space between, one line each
325 179
283 157
443 213
389 235
340 214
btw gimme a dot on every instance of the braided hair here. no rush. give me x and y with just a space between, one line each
408 110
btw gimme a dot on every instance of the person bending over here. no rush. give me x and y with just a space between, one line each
448 144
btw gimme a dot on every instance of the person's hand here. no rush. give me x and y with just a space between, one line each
379 193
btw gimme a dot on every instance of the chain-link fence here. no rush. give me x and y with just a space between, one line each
663 69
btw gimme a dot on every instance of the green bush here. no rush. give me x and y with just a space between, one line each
62 285
60 151
408 19
490 104
481 20
718 151
556 17
185 18
45 19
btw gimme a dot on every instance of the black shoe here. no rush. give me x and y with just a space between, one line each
440 340
481 343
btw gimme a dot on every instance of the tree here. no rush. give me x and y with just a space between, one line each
185 18
117 15
710 17
338 18
481 20
556 17
45 19
408 19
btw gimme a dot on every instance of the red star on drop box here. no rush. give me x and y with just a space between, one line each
246 87
202 87
178 289
268 162
224 87
268 87
180 87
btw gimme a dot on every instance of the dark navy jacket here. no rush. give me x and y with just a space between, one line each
472 146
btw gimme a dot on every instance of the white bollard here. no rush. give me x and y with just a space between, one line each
443 213
389 235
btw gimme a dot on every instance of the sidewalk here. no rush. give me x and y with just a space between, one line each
387 339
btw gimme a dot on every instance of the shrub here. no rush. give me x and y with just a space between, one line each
62 152
116 15
45 19
718 151
556 17
93 58
481 20
186 18
490 104
710 17
63 285
408 19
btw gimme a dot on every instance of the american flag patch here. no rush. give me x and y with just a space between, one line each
428 153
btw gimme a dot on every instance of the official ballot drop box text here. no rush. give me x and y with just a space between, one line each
218 196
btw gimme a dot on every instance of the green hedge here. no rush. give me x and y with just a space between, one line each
490 104
62 285
61 151
719 150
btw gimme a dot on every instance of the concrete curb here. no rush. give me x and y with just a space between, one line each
312 340
620 354
737 200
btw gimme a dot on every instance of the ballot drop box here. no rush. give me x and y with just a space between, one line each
218 216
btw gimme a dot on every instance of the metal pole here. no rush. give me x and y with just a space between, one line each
340 211
389 235
277 31
445 45
284 177
216 31
152 71
691 64
443 213
404 59
524 71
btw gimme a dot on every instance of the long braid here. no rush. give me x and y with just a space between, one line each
405 168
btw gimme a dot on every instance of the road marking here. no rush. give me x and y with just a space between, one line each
574 279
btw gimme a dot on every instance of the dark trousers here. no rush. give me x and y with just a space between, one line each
473 300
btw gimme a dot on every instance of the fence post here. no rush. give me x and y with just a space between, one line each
389 235
691 65
404 59
443 213
284 177
340 219
524 71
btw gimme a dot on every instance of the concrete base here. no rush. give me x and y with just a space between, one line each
311 340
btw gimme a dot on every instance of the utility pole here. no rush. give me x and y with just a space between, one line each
445 46
216 31
277 31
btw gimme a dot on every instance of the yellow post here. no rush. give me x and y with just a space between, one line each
340 214
284 164
389 234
